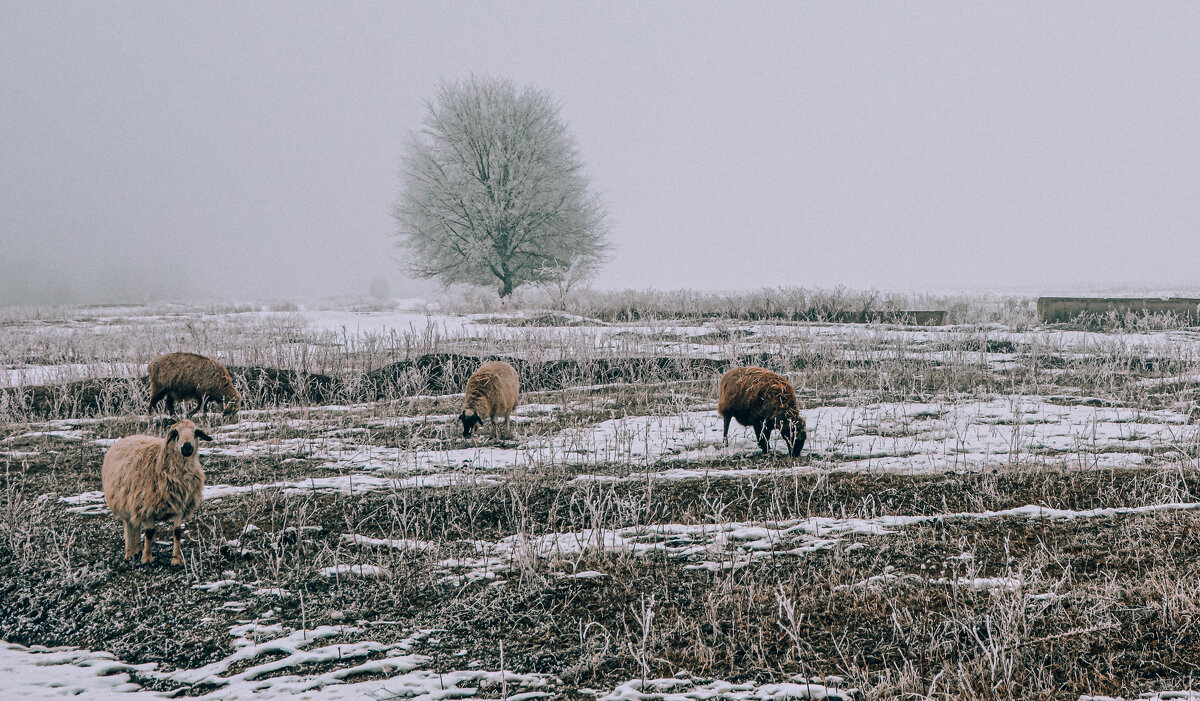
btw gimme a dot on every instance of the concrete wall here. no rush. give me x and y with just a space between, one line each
1053 310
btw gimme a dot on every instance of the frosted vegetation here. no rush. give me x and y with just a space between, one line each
990 509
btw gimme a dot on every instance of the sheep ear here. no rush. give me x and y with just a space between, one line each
172 435
202 435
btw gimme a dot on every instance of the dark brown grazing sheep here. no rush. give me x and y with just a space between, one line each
148 479
764 400
492 392
182 376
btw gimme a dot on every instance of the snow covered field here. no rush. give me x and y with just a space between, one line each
971 505
917 438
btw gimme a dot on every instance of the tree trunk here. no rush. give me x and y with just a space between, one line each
507 288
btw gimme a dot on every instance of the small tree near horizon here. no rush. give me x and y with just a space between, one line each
560 281
494 193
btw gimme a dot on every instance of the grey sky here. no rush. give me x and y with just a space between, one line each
252 149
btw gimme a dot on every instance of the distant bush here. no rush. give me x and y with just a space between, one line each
767 304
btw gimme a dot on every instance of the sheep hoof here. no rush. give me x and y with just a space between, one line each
176 561
147 560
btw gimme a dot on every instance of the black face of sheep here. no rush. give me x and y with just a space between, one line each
795 434
469 422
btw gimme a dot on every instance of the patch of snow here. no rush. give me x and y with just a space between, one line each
878 581
1047 596
1166 381
84 498
982 583
719 546
35 375
272 591
688 689
217 585
358 570
44 673
586 574
68 435
898 437
397 543
272 663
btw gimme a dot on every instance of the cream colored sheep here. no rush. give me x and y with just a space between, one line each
148 479
764 400
179 377
492 392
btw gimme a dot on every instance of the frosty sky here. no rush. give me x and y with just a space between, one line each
251 150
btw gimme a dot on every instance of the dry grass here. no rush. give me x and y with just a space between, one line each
953 607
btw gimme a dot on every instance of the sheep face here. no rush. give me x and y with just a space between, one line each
469 421
794 433
185 437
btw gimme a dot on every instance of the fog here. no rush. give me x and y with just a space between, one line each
251 150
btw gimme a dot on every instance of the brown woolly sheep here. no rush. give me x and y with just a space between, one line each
764 400
182 376
492 392
148 479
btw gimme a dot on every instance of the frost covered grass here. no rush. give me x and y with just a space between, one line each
986 510
782 303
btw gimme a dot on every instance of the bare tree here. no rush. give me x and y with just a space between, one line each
494 191
558 280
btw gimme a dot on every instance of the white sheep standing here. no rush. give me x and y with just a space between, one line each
148 479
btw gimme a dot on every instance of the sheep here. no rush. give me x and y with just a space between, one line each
148 479
183 376
492 392
764 400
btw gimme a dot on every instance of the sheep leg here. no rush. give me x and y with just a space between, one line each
788 431
158 396
171 404
508 425
177 553
146 559
725 435
130 540
763 433
768 427
495 429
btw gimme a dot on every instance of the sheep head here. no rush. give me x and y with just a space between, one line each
231 408
184 438
469 420
794 432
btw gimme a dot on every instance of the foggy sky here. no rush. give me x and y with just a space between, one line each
251 150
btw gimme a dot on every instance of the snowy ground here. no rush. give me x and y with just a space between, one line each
906 438
940 471
42 673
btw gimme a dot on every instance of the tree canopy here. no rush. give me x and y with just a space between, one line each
494 192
